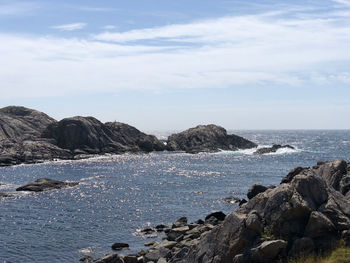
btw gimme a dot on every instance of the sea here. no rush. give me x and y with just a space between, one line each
117 195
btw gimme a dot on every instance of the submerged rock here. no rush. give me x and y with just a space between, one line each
120 246
45 184
273 149
207 138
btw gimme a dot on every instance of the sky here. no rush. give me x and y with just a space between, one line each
171 65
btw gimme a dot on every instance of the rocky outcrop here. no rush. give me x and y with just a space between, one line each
45 184
30 136
273 149
306 213
87 135
20 137
207 138
309 212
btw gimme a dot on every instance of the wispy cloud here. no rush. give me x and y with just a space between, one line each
229 52
70 27
343 2
10 8
98 9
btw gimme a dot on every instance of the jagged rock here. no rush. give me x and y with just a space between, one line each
44 184
268 251
272 149
217 214
318 225
254 222
161 228
308 210
113 258
207 138
182 221
155 255
256 189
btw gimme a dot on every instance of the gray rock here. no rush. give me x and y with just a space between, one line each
302 247
182 221
120 246
273 149
256 189
155 255
319 225
217 214
113 258
270 250
45 184
130 259
206 138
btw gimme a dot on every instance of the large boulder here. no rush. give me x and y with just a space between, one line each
45 184
207 138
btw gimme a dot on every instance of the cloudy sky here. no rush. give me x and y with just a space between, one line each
165 64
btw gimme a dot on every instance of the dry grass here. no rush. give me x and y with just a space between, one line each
339 255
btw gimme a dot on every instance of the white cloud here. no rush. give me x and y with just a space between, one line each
343 2
70 27
219 53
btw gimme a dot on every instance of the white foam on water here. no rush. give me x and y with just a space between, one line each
253 150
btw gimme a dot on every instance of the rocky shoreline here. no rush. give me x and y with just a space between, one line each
309 212
29 136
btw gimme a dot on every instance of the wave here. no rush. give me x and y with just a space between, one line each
253 150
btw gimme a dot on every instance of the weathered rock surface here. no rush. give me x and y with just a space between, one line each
20 137
207 138
89 135
273 149
307 213
30 136
45 184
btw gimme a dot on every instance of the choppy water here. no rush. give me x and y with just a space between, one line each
119 194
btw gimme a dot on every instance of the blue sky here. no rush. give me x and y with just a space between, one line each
165 65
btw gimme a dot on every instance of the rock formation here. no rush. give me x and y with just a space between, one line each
309 212
273 149
29 136
45 184
20 137
207 138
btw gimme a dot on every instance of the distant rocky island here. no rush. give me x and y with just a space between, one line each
30 136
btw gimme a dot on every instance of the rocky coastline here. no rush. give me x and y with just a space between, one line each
29 136
308 213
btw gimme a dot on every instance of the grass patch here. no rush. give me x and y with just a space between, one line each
339 255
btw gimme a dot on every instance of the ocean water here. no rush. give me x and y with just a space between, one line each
119 194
